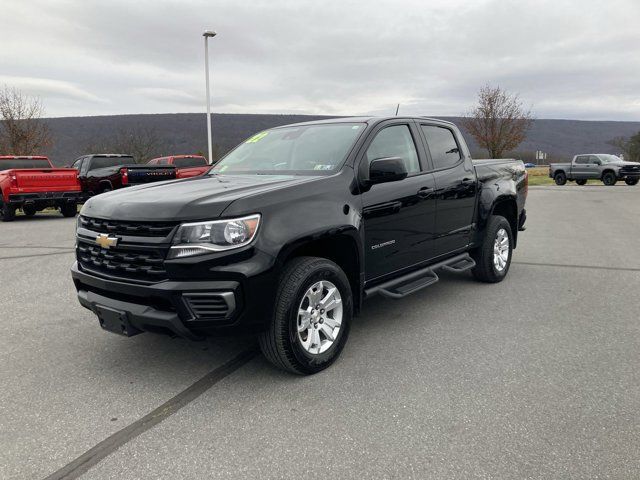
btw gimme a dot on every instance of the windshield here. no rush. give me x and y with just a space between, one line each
102 162
24 163
307 149
609 158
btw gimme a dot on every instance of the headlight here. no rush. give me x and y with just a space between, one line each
215 236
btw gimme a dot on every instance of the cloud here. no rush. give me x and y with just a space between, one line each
168 95
47 88
568 59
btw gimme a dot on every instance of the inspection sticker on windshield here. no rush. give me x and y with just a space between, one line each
257 137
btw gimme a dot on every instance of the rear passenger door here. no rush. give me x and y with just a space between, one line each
398 217
456 188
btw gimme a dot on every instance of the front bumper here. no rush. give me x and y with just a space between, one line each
633 174
186 308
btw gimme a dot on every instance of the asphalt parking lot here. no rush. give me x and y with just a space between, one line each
536 377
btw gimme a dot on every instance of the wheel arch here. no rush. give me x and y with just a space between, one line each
507 207
104 183
341 246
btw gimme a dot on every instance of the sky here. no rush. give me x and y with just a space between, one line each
566 59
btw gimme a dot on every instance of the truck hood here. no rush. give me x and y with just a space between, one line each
624 163
197 198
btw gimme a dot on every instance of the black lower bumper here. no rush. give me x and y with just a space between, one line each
189 309
48 198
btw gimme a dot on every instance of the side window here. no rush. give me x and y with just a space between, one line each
395 141
77 164
582 160
595 160
163 161
442 146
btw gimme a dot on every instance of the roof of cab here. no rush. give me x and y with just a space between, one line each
369 120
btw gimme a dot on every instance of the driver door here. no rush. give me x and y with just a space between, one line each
399 217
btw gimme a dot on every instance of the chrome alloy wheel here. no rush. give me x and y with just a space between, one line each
501 250
319 317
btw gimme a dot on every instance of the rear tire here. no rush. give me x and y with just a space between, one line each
609 179
493 257
29 210
283 343
69 210
560 178
631 181
7 212
581 182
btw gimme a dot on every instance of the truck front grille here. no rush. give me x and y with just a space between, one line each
137 229
144 264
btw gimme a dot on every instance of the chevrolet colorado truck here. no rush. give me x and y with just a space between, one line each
600 166
292 230
187 166
100 173
31 183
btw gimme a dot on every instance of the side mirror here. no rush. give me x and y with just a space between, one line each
389 169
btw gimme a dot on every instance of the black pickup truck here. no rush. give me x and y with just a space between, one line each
99 173
290 232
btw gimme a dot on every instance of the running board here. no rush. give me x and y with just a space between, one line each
414 281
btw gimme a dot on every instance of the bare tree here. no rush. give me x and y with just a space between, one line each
22 130
499 122
629 147
142 143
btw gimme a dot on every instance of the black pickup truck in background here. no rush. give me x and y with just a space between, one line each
100 173
290 232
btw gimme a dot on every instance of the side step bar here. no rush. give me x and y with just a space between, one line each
414 281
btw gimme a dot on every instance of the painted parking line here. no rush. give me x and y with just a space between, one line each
96 454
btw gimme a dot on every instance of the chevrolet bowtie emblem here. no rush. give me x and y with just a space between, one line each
105 241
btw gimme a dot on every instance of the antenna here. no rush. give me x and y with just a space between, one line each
397 108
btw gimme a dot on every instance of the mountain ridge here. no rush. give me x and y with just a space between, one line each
186 133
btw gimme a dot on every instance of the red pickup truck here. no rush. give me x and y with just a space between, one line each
186 165
33 184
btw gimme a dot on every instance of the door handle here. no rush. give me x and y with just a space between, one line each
425 192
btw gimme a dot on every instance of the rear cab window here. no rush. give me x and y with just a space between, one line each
103 162
17 163
190 162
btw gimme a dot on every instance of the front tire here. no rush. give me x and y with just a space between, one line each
29 210
560 178
581 182
69 210
7 212
493 257
631 181
311 318
609 179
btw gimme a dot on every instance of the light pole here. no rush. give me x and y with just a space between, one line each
206 35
